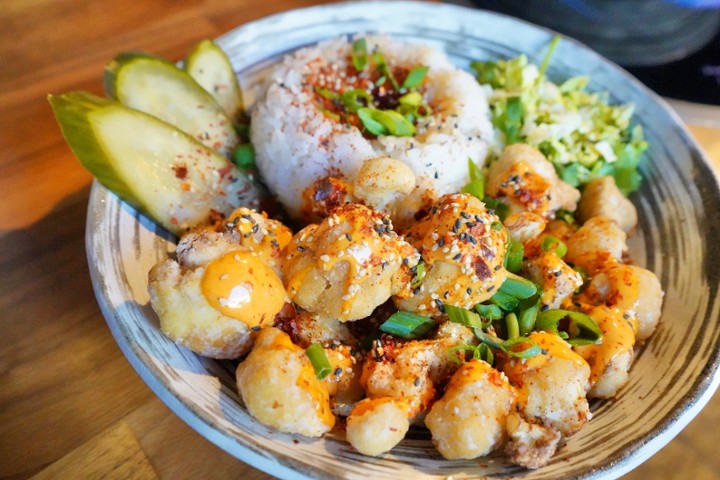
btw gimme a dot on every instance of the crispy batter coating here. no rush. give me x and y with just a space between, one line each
411 370
186 300
258 233
551 386
526 181
524 226
462 246
346 266
469 420
556 279
376 425
383 183
531 444
599 242
602 198
277 383
634 291
611 359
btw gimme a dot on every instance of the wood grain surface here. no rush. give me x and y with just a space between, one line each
71 406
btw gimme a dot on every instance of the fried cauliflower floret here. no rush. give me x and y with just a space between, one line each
213 294
382 182
602 198
469 420
376 425
524 226
262 235
462 246
556 279
611 359
325 195
531 445
526 181
410 371
306 328
551 386
277 383
634 291
598 242
343 384
348 264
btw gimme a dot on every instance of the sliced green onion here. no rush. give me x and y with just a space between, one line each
500 208
330 114
407 325
511 324
490 312
415 77
475 188
486 72
244 156
484 353
325 93
546 60
463 316
490 340
384 69
383 122
514 256
351 99
320 362
474 171
508 346
497 226
533 350
413 99
528 316
518 287
553 244
419 275
566 216
582 329
359 54
505 301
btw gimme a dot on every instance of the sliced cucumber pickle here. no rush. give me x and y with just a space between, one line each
150 164
211 68
159 88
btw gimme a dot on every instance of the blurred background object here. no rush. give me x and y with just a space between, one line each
673 46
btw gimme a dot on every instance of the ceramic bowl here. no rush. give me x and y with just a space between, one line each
674 374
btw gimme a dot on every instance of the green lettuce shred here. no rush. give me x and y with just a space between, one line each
578 131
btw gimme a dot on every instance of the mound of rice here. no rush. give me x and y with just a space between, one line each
296 144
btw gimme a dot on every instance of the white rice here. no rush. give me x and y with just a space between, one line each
296 144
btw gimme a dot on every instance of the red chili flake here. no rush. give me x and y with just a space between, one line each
181 171
481 269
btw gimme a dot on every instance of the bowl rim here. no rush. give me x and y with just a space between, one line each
637 452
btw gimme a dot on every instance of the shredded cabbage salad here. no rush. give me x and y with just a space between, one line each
578 131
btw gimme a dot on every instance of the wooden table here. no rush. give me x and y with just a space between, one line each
70 404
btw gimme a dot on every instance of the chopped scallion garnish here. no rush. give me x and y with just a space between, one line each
356 98
415 77
505 301
384 122
407 325
553 244
510 347
463 316
359 54
582 329
527 317
320 362
490 312
514 257
511 325
419 275
518 287
475 188
326 93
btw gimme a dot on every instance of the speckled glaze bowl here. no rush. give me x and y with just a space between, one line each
674 374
